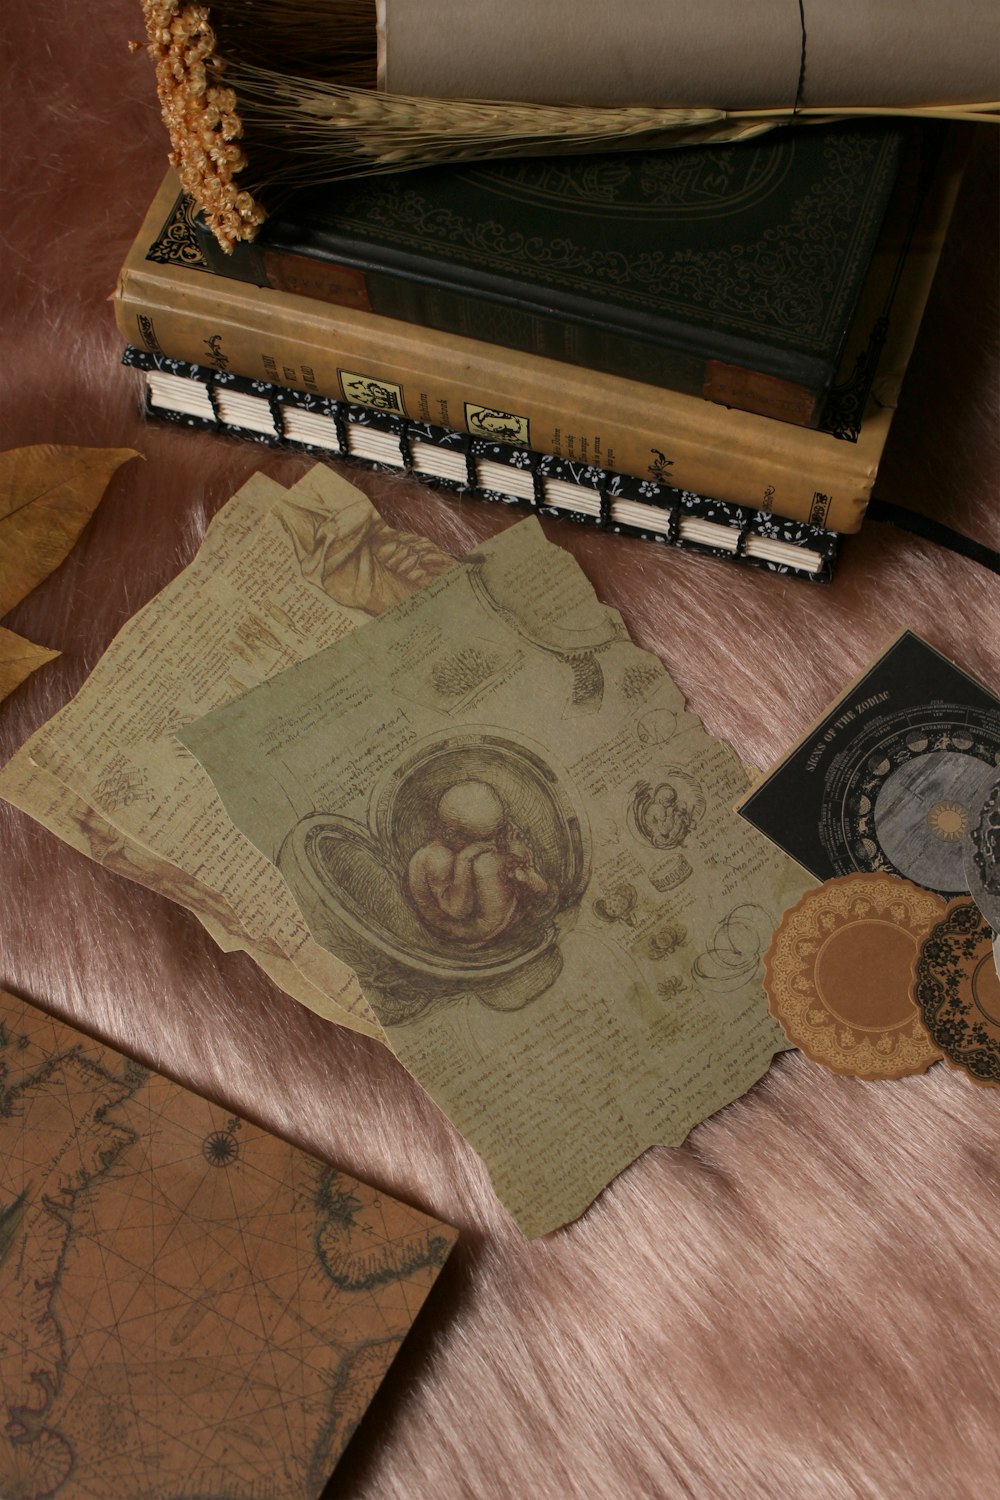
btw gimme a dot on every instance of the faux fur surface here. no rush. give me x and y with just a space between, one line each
803 1301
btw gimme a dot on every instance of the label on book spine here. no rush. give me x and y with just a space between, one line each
368 390
499 426
327 282
819 510
749 390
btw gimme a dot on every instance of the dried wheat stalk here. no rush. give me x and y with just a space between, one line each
239 129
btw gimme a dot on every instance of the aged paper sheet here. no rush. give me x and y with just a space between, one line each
188 1305
52 804
495 808
279 575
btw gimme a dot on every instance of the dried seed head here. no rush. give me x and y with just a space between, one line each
317 121
201 116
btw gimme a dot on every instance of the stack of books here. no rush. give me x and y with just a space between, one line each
702 346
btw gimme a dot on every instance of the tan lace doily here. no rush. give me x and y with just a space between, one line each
838 975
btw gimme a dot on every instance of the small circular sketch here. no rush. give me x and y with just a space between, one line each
618 904
737 944
981 853
665 939
957 991
657 727
838 975
922 813
220 1148
663 813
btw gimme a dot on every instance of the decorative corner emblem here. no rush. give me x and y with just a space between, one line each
177 243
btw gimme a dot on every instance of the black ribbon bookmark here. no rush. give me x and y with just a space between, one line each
932 531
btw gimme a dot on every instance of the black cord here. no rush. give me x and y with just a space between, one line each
802 60
932 531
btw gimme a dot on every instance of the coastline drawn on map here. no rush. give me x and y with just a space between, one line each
160 1258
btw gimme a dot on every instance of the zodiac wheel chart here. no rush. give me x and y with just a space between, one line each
899 798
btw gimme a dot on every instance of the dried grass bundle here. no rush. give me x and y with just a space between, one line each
260 96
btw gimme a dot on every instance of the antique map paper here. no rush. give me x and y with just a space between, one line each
188 1305
496 809
281 573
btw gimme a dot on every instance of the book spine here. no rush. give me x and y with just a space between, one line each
520 324
497 472
691 444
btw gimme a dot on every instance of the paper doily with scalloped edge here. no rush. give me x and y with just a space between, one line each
981 853
838 975
957 991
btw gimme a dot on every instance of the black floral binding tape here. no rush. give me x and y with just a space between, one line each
605 487
277 410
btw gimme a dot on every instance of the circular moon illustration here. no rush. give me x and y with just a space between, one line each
898 796
922 813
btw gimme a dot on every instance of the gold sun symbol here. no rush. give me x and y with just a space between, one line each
947 820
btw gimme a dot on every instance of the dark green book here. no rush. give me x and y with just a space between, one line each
735 272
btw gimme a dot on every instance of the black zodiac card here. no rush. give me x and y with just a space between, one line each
886 779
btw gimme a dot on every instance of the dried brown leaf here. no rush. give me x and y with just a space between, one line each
47 496
18 659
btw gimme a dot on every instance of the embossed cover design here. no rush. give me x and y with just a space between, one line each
189 1306
730 271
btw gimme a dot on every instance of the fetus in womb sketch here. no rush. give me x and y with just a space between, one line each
475 877
663 815
469 864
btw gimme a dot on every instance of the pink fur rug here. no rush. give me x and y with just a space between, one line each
803 1301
